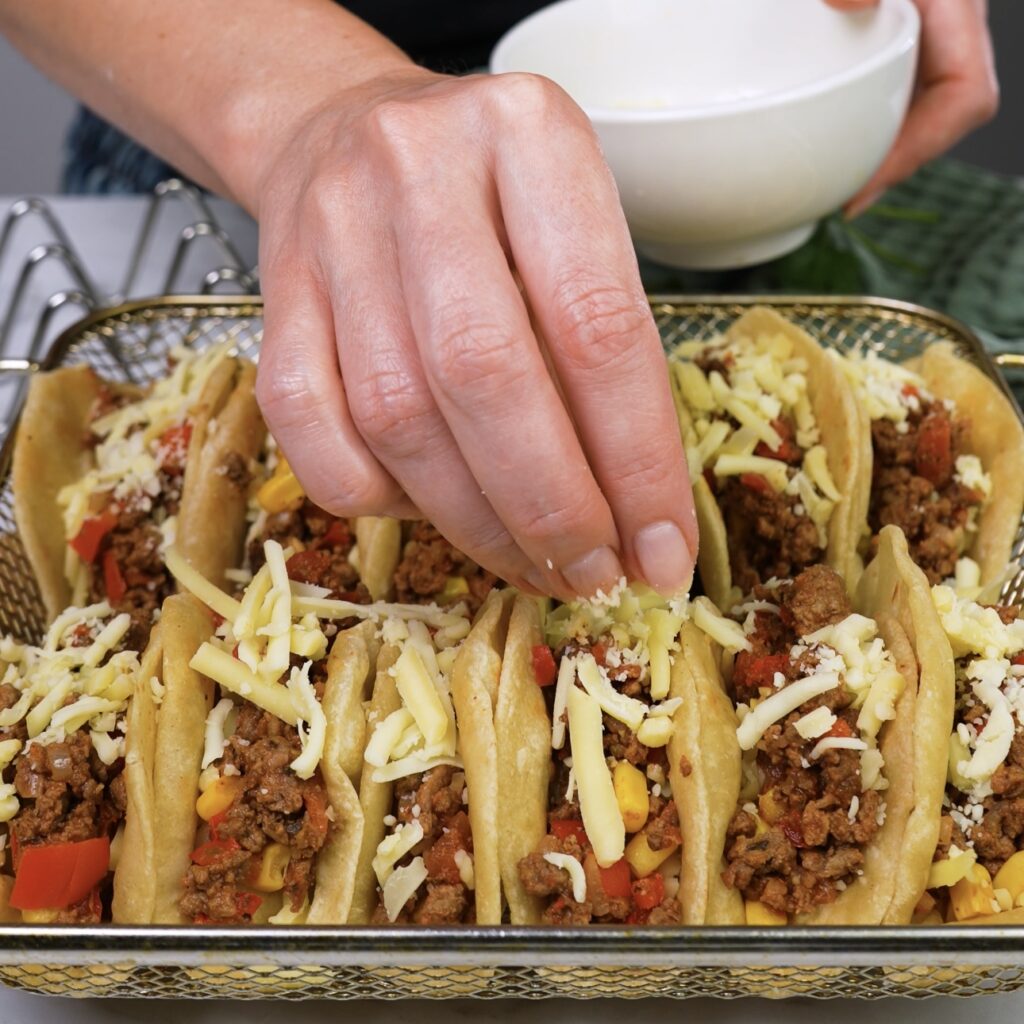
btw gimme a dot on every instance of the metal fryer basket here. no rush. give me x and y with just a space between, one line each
131 342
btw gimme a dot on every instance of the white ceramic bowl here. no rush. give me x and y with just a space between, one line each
731 126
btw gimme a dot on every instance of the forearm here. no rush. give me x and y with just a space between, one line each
213 86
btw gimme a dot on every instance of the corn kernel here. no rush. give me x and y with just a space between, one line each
950 871
47 916
455 586
770 807
273 864
758 914
1003 898
973 895
642 859
218 796
282 491
1011 876
631 793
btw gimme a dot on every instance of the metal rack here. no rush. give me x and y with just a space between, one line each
226 271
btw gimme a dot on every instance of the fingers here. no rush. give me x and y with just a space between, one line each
397 416
957 92
299 389
570 242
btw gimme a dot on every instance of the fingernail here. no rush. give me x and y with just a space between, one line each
599 569
664 557
859 206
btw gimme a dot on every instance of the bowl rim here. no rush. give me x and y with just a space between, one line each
905 40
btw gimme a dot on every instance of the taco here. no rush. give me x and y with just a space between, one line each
945 449
767 420
107 475
591 765
978 871
68 727
429 786
838 719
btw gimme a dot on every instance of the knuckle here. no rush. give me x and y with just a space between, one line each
474 358
524 94
600 326
394 413
326 194
545 524
355 492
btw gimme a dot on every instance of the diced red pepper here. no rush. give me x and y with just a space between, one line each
616 880
247 903
599 652
793 829
308 566
910 391
933 452
841 728
113 581
215 823
86 543
755 482
754 671
649 892
787 451
212 851
562 828
544 668
439 859
1017 659
172 448
218 620
337 535
59 874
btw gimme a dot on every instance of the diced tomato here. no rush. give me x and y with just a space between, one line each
649 892
439 860
755 482
86 543
212 851
933 452
910 391
337 535
59 874
598 651
218 620
113 581
308 566
792 828
616 880
787 451
316 808
544 668
562 828
753 671
1017 659
215 823
172 448
247 903
841 728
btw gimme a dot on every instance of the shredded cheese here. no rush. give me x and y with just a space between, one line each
575 871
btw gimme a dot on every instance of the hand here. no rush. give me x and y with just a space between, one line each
956 89
400 370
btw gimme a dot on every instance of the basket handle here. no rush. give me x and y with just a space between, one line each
17 368
1013 359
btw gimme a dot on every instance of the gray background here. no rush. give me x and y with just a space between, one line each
34 114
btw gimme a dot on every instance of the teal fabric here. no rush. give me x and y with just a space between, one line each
951 237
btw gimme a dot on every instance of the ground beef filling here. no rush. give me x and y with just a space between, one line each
913 486
435 799
275 806
1000 832
566 833
429 562
322 543
813 846
769 534
67 795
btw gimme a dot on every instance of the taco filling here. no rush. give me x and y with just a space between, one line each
750 430
62 726
433 571
923 480
424 864
979 863
813 686
606 681
121 515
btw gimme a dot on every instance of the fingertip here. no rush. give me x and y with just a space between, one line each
664 557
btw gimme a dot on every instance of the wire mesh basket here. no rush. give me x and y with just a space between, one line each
132 342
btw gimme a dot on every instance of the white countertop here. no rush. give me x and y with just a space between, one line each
104 231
